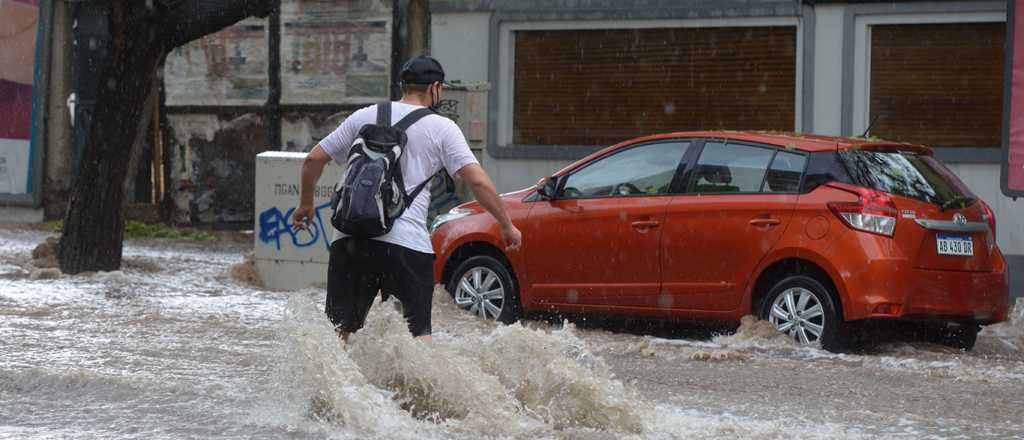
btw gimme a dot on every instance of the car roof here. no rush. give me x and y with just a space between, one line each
797 141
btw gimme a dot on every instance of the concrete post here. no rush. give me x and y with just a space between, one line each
57 151
418 36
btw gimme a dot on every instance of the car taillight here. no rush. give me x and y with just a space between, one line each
875 212
990 217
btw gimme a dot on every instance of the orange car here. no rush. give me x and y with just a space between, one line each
814 234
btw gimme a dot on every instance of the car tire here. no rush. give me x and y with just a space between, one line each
475 285
962 336
818 318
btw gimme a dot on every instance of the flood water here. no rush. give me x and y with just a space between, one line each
173 347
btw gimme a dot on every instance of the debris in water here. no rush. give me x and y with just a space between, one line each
113 277
44 256
1010 332
717 356
47 248
46 263
644 349
245 272
142 264
753 331
45 274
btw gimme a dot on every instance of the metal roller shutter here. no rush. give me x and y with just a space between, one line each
598 87
938 84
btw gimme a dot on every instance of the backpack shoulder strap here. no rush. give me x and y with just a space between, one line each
412 196
384 114
411 118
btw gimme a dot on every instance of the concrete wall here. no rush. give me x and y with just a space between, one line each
983 179
285 258
461 42
828 49
515 174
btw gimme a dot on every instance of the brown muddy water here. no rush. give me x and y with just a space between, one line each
173 347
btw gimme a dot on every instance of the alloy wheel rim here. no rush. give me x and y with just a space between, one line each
798 313
481 292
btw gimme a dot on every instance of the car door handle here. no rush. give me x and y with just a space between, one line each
645 224
765 221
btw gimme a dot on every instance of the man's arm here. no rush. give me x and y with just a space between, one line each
482 187
312 168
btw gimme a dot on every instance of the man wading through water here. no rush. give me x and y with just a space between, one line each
399 262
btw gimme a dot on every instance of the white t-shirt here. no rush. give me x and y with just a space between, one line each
433 142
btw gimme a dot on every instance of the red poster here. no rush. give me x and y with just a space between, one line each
17 36
1013 166
18 28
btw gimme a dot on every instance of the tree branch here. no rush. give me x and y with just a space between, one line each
187 20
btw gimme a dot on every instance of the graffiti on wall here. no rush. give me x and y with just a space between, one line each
275 225
225 68
212 166
301 131
18 27
449 108
335 52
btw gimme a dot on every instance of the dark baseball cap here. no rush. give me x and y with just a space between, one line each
422 70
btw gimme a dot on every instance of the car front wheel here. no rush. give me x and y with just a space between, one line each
802 308
483 285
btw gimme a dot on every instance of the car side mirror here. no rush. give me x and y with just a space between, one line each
547 187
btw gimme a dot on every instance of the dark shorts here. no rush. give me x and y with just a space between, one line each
360 267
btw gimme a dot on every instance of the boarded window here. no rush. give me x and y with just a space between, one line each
599 87
938 84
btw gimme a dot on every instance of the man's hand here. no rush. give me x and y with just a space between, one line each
312 167
512 237
482 187
302 217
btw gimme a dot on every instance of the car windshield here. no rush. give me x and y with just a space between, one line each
905 174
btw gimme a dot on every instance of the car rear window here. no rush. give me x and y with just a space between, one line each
905 174
824 167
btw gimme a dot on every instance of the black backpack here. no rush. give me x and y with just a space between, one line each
371 195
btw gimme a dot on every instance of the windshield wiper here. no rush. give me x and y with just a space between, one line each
958 200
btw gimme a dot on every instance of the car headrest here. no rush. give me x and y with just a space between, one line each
717 174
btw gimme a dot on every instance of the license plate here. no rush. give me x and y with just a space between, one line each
954 245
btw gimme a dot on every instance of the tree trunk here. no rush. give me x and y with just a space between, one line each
141 32
94 223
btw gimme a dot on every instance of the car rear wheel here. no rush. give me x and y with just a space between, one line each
803 308
483 285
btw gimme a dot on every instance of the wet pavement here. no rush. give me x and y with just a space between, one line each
174 347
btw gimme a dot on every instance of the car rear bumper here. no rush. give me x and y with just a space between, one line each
894 289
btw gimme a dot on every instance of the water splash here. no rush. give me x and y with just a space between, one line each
510 382
320 381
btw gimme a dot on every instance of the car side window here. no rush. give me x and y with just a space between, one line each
784 173
730 168
643 170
